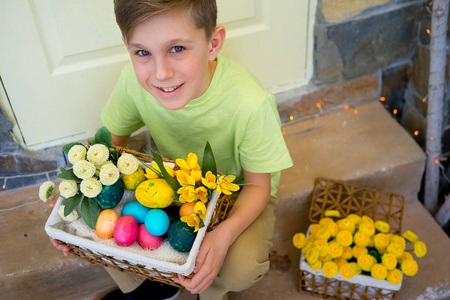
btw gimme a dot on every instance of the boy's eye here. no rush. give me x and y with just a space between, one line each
143 53
177 49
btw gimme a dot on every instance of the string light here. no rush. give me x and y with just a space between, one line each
318 105
431 138
291 117
423 100
284 132
416 132
382 99
346 107
395 111
428 31
355 111
436 160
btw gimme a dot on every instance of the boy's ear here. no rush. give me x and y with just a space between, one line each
125 42
217 40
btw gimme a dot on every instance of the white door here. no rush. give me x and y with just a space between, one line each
60 59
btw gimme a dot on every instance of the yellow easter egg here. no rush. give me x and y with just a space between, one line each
133 180
155 193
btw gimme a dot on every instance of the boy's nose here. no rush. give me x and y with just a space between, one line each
163 69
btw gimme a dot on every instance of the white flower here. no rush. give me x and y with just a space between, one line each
98 154
109 174
127 164
45 190
84 169
70 217
68 188
90 187
76 153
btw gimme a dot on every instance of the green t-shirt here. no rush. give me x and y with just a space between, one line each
236 115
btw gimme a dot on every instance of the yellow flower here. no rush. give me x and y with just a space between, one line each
394 276
395 249
367 219
405 256
382 226
70 217
381 241
127 164
359 250
325 221
68 188
399 240
347 252
378 272
361 239
84 169
309 245
330 269
299 240
45 190
347 271
316 265
420 249
226 185
109 174
76 153
332 213
192 220
346 224
188 164
154 171
335 250
325 258
389 261
201 194
98 154
366 262
410 267
322 246
90 187
200 209
209 180
339 261
312 255
355 218
323 233
344 238
410 236
333 229
314 228
357 268
187 193
367 228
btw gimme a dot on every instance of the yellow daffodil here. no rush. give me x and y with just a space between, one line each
347 271
192 220
366 262
395 249
361 239
409 267
155 171
330 269
367 228
188 164
379 272
405 256
357 251
299 240
410 236
201 194
347 252
184 178
226 185
335 249
312 255
316 265
45 190
197 175
389 261
381 241
420 249
322 246
332 213
344 237
323 233
209 180
339 261
200 209
187 193
394 276
382 226
355 218
346 224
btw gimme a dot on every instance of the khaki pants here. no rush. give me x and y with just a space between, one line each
246 262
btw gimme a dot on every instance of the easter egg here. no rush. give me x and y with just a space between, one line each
155 193
106 222
126 231
157 221
135 209
187 209
147 240
133 180
111 195
181 236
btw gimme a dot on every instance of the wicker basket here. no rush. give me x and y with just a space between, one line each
218 213
351 199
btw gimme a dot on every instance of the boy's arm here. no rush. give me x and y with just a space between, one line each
248 206
120 140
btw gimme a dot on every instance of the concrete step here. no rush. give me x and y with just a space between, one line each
367 147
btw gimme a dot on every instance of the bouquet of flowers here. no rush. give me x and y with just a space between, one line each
359 245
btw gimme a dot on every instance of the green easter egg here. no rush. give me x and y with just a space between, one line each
111 195
181 236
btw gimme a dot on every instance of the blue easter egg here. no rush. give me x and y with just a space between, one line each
157 221
135 209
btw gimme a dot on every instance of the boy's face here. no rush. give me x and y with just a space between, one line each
172 58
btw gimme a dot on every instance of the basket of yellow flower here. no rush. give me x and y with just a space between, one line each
353 249
115 190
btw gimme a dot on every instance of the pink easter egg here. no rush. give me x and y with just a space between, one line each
147 240
126 231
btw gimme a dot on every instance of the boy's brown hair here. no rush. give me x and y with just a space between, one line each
129 13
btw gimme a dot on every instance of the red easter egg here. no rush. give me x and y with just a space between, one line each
126 231
147 240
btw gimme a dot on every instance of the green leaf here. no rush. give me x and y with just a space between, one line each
103 136
209 163
114 155
170 180
67 147
90 211
72 203
69 175
62 169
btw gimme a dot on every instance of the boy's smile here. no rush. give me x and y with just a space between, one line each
172 58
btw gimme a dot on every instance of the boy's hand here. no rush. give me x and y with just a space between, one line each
65 250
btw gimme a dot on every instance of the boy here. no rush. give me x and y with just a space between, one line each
186 94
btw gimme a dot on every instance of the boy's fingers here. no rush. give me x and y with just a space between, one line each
200 260
53 201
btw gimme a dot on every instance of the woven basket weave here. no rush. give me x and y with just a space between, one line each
350 199
221 210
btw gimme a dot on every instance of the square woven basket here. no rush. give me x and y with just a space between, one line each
351 199
221 205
